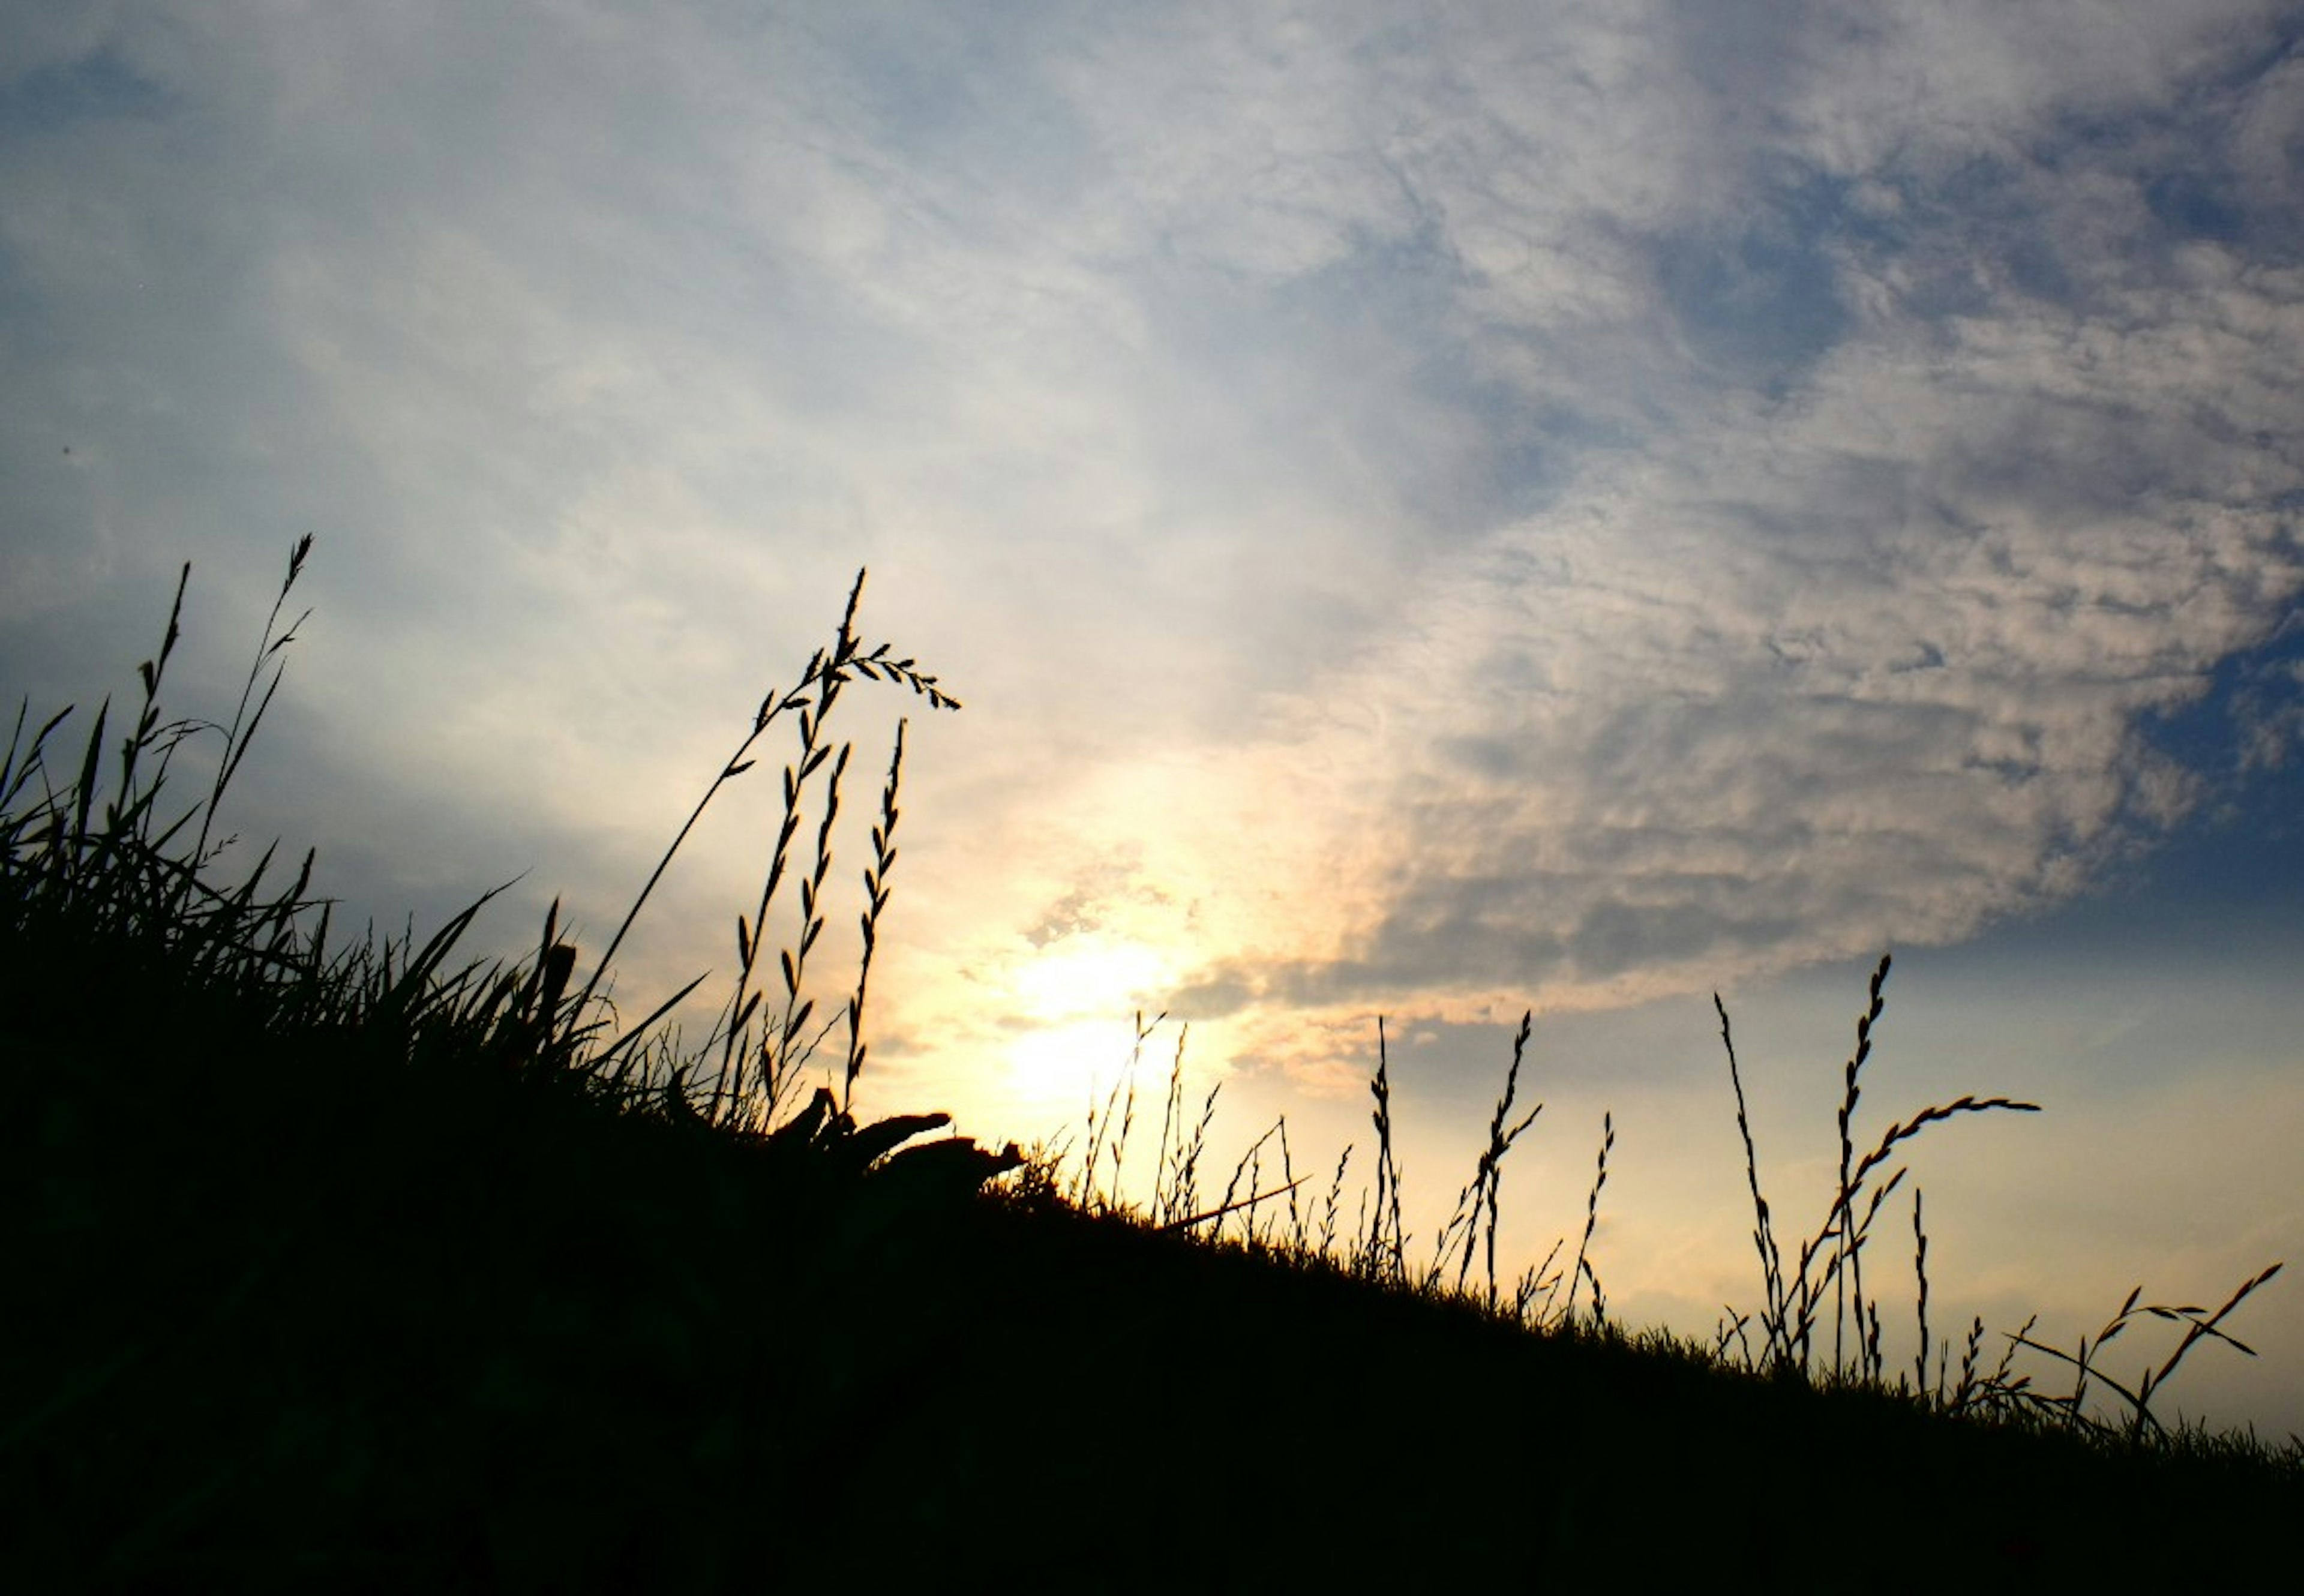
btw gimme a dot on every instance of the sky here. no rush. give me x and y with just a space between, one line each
1432 511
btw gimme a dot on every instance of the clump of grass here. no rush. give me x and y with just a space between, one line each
759 1068
86 875
1833 1259
199 1038
1824 1274
1174 1201
1484 1196
1377 1249
2199 1324
85 868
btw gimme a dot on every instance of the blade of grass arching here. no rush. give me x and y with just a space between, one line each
728 1093
259 934
309 983
1904 1132
640 1029
131 827
161 893
825 672
2200 1328
729 772
70 858
407 997
236 741
316 946
2070 1407
276 919
463 1004
206 942
736 764
151 671
14 776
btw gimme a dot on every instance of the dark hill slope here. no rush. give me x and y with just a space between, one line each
300 1312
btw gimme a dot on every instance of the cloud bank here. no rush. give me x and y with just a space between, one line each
1574 500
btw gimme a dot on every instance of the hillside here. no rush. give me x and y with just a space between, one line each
346 1270
301 1314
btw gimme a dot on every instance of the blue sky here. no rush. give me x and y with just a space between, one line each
1433 510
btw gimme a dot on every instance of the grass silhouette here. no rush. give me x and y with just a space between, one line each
353 1270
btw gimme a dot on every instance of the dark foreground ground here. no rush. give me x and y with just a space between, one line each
294 1313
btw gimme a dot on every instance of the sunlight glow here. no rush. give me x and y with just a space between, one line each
1053 1073
1075 1006
1092 976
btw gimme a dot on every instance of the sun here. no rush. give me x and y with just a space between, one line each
1053 1073
1075 1007
1089 976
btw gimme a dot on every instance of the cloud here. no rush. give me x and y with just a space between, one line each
1949 473
1581 499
